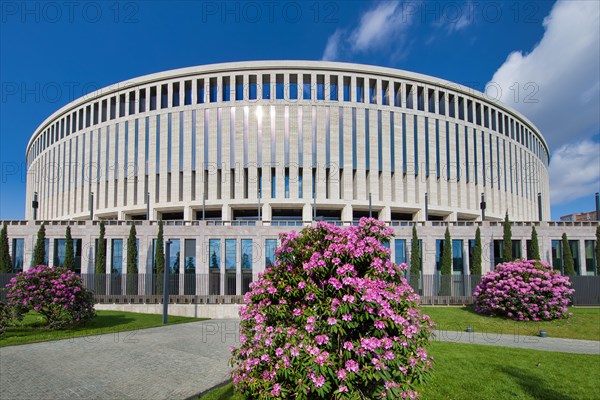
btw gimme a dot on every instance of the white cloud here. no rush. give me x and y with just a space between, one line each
333 46
559 79
459 20
574 171
379 27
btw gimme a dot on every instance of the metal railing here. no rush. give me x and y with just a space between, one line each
218 288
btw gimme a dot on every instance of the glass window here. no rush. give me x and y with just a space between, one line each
116 257
214 253
574 244
266 88
320 87
333 88
18 250
174 256
253 87
400 251
230 253
360 90
279 87
200 91
293 87
372 91
175 95
439 249
213 90
246 255
557 255
187 93
420 98
287 183
152 101
226 89
306 87
164 96
346 88
300 189
457 255
409 96
270 246
239 88
273 183
590 256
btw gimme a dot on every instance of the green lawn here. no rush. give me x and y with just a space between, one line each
583 324
468 371
32 329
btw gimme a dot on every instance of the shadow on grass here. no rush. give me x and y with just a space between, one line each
532 385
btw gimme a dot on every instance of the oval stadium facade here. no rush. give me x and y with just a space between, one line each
287 140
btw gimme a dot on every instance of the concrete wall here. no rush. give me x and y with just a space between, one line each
213 311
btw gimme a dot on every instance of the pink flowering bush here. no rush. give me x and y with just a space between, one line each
526 290
56 293
333 318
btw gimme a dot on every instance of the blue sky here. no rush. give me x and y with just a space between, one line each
54 52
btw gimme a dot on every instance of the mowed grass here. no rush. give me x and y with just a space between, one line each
583 324
32 329
468 371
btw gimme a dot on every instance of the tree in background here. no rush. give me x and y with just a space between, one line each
132 252
534 249
132 256
39 251
507 241
159 258
69 262
6 266
100 260
568 263
415 261
476 263
446 270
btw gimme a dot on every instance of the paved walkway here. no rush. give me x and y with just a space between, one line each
520 341
173 362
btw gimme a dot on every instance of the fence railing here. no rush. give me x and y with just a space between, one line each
229 287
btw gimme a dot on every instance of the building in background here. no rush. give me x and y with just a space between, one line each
230 155
588 216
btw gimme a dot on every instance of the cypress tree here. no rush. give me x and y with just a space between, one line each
69 262
568 263
6 266
132 253
159 259
446 271
132 267
39 251
534 249
507 240
476 263
160 251
100 260
415 260
598 250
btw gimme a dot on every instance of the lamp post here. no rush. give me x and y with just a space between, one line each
34 205
482 206
91 206
597 207
370 207
166 281
540 207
